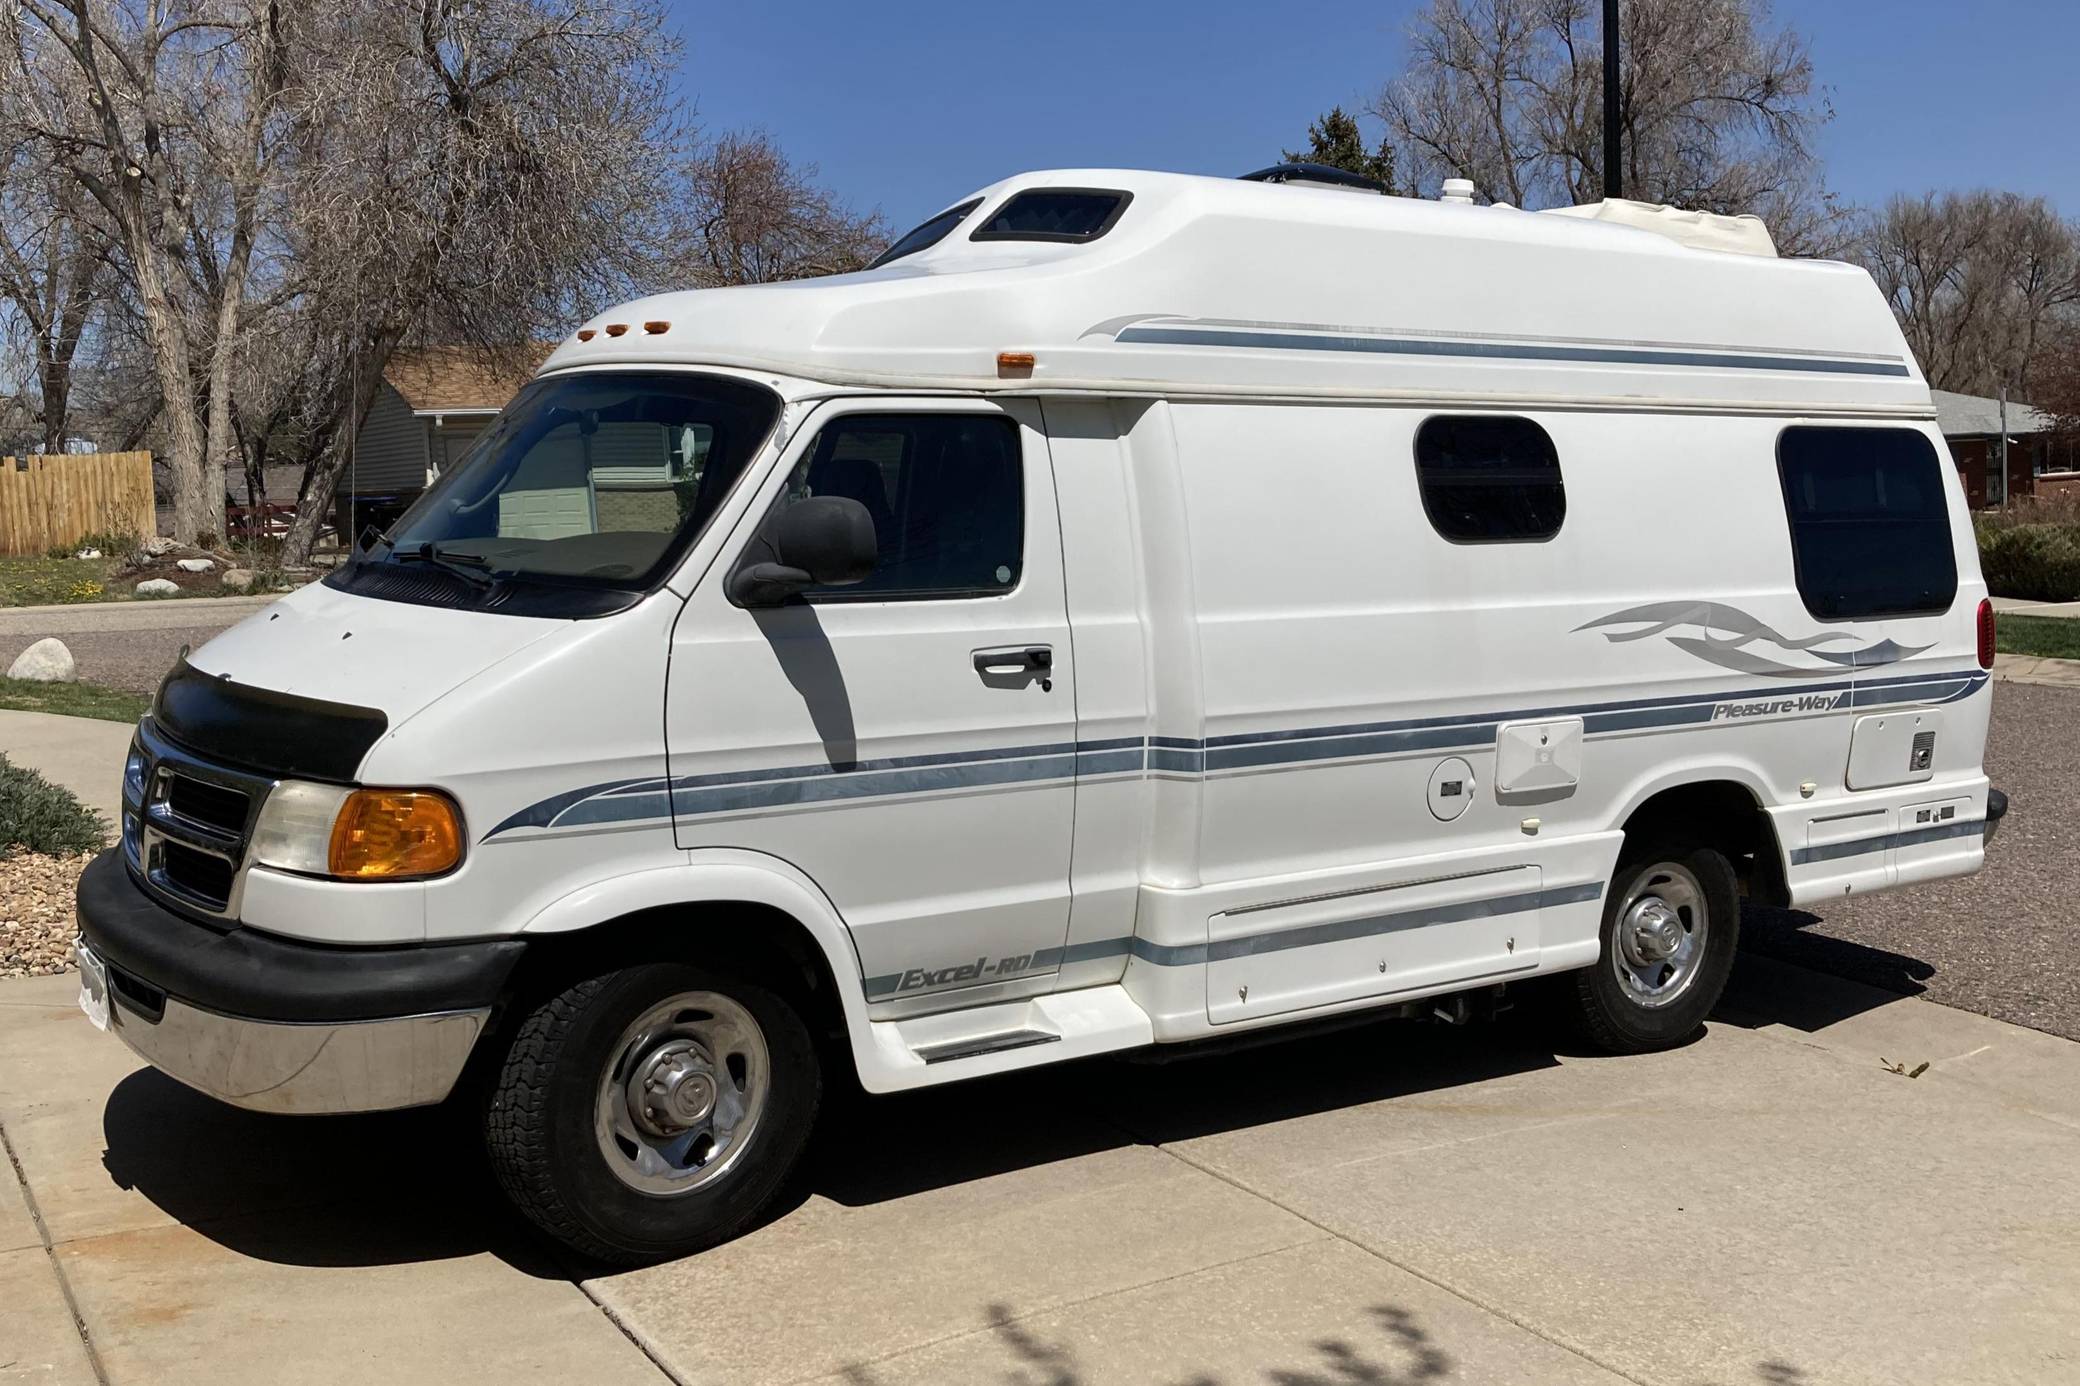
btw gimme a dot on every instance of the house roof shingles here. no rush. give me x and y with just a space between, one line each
433 379
1968 416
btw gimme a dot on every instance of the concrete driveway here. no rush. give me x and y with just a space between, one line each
1388 1204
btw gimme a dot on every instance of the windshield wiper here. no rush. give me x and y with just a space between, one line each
467 566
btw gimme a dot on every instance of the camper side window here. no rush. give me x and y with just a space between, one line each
1870 527
946 493
1489 480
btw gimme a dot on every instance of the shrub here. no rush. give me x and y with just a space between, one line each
38 816
2041 562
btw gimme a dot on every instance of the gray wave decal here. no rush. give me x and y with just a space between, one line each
1726 631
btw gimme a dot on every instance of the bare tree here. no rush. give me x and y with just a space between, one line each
477 174
756 217
55 277
1979 281
1717 109
167 116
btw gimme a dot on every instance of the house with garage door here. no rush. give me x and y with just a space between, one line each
431 406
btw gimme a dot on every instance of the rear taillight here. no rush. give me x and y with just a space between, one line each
1985 633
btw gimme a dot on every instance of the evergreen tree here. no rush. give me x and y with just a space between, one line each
1335 140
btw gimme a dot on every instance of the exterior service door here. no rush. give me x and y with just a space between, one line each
908 743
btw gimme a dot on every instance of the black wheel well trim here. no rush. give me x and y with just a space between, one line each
1721 813
764 943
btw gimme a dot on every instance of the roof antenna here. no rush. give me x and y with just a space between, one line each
1613 176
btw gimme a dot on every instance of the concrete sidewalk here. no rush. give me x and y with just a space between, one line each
1395 1203
83 754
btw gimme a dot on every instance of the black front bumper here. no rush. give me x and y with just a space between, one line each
153 953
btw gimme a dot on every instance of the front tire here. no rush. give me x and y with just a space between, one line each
653 1111
1671 924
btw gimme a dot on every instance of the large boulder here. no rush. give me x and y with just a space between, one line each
46 661
157 545
194 565
238 579
158 587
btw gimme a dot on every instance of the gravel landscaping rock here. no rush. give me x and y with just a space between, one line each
46 661
36 923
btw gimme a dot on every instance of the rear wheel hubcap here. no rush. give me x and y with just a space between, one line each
1663 923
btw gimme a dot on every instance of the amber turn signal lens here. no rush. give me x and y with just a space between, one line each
395 834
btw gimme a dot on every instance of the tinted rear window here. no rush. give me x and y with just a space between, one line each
1870 528
926 234
1055 214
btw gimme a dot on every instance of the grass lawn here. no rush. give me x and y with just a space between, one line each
50 581
2037 635
72 700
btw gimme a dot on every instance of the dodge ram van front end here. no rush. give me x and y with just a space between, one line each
254 1018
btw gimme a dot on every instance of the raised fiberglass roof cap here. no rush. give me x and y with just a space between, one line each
1187 285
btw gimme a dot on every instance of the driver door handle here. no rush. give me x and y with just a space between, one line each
1012 661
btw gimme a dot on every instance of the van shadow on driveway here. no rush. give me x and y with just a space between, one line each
402 1187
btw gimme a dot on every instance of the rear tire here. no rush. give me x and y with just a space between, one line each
1671 925
653 1111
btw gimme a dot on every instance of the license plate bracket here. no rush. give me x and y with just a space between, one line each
93 988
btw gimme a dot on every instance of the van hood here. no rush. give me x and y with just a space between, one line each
322 643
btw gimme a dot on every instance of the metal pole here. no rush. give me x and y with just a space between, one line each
2004 445
1613 177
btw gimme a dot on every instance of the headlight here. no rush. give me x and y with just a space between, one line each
133 776
358 834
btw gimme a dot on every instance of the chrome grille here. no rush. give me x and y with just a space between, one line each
187 824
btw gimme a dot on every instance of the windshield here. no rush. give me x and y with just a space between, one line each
594 480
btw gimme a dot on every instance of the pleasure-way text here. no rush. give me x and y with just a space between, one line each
1139 609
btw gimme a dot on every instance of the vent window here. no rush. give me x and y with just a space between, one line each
1489 480
1055 214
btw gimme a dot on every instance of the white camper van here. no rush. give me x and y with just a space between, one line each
1139 609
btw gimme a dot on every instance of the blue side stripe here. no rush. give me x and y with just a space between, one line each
1864 846
1498 351
1280 940
734 791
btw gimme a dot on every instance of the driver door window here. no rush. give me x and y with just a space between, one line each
946 494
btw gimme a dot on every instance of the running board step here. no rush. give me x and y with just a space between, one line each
983 1044
1001 1036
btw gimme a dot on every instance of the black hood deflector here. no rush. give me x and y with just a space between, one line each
259 729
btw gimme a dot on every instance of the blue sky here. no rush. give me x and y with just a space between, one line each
906 106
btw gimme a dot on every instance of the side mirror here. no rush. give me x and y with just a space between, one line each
824 541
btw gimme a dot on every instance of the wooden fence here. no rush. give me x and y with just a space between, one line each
53 501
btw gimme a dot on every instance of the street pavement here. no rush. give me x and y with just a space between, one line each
127 645
2023 606
1396 1203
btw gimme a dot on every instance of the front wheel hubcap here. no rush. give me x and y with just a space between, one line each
682 1093
1663 923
